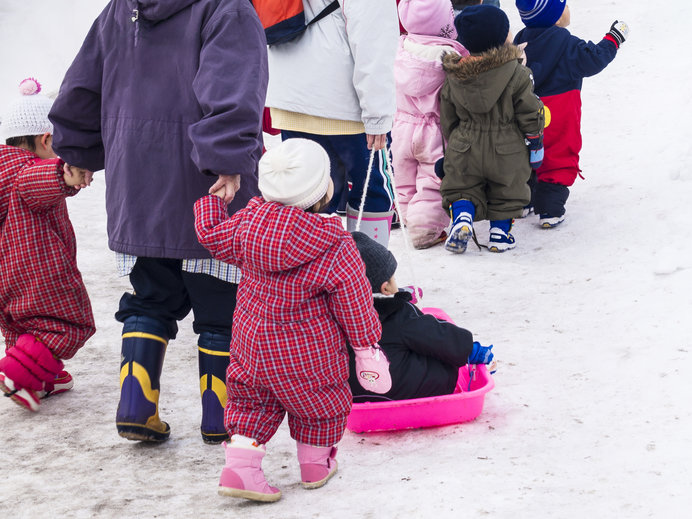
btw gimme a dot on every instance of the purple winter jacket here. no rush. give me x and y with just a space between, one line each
165 94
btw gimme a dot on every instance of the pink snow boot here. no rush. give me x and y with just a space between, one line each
317 464
242 475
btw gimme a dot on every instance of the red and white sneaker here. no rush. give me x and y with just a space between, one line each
63 382
24 397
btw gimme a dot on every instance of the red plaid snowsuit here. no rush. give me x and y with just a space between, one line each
41 289
303 294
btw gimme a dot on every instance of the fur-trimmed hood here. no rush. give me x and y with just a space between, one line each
482 77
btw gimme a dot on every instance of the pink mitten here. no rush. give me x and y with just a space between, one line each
29 363
372 368
416 293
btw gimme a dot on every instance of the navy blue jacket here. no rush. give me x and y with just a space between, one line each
424 353
164 95
560 61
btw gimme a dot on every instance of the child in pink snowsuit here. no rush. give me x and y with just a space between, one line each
45 313
302 296
417 141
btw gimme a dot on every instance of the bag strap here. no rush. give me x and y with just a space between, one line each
325 12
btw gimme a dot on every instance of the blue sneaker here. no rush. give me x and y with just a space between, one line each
500 241
462 226
547 221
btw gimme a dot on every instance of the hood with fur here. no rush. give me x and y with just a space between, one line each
484 76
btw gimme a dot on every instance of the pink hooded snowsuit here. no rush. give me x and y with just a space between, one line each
416 133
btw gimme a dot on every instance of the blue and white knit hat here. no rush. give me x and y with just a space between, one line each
540 13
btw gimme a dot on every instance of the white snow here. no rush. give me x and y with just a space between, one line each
591 323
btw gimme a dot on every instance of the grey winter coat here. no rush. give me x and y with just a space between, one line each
165 95
487 107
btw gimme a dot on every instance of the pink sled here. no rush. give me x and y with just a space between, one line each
463 405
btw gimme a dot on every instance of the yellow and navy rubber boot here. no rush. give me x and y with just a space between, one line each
213 362
143 349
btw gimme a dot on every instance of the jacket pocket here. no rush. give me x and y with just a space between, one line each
510 148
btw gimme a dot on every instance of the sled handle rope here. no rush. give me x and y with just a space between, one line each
388 171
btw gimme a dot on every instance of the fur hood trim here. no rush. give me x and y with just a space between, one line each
476 64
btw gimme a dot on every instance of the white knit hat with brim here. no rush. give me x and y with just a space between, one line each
295 172
27 115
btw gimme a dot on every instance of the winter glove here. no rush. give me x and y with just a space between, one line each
619 31
416 293
29 363
535 144
372 369
481 354
440 168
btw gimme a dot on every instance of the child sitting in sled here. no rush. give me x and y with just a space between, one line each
424 353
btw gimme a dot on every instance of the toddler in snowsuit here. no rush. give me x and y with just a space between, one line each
487 110
45 313
424 353
560 62
416 134
302 296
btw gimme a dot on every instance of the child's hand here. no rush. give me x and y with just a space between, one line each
77 177
535 144
481 354
619 31
372 369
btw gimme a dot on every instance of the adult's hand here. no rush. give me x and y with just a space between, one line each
230 182
377 142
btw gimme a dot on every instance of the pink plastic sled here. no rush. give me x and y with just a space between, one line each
463 405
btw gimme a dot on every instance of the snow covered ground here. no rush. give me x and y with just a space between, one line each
591 323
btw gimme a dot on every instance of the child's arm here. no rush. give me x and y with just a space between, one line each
41 184
528 108
587 58
448 114
350 299
214 228
429 336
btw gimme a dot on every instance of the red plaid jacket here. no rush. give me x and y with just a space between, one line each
302 278
41 289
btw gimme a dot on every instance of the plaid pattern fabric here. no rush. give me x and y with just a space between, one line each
41 289
218 269
303 294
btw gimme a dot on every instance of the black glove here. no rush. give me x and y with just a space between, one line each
440 168
619 31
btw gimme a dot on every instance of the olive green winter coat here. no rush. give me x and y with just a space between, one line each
487 107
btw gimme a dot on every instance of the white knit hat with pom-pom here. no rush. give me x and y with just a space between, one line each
27 115
295 172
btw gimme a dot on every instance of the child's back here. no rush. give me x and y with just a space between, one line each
559 62
416 135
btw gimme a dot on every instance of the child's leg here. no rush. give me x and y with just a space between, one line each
404 164
427 218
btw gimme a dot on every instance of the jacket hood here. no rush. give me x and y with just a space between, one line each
158 10
293 236
428 17
418 70
484 76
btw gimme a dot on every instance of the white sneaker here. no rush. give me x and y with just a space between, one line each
548 222
500 241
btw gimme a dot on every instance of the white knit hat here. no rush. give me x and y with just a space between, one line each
295 172
27 115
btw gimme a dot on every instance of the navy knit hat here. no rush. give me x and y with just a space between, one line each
481 27
540 13
380 264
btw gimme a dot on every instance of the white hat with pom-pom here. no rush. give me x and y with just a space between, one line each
27 115
295 172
